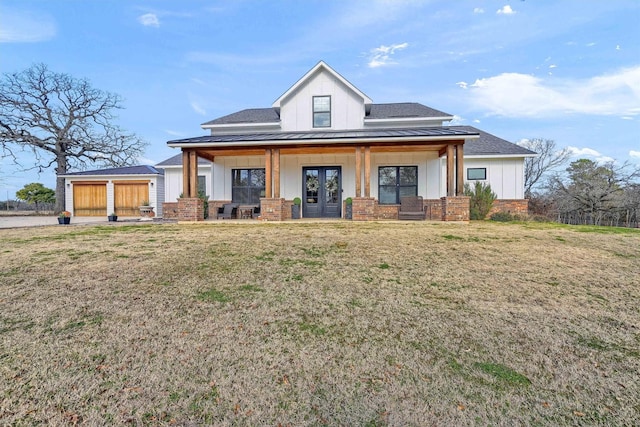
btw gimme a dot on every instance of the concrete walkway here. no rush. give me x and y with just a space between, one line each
39 221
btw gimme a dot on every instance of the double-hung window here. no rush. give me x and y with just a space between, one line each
395 182
321 111
247 185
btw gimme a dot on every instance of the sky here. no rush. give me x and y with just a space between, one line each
565 70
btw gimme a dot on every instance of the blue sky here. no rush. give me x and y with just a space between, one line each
563 70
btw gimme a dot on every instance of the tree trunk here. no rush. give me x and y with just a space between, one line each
61 169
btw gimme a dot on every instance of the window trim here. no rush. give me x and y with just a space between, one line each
314 112
469 178
397 185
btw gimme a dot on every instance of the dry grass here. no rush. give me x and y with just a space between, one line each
363 324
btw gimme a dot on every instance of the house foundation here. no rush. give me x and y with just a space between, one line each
274 209
455 208
190 209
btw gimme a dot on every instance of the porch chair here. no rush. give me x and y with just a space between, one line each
228 211
412 208
256 212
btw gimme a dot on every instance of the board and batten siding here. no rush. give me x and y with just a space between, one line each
505 175
347 109
291 172
173 182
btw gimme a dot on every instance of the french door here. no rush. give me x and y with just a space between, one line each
322 192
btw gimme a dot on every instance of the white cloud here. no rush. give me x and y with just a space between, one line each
198 109
476 121
618 47
23 26
463 85
591 44
589 152
634 153
506 10
173 132
381 56
145 161
523 95
149 20
478 10
575 151
553 66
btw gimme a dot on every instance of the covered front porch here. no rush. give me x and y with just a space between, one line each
341 167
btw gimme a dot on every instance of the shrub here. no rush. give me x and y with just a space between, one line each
205 200
502 217
481 199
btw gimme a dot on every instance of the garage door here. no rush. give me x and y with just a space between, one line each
90 199
129 196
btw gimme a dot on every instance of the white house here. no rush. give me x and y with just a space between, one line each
323 141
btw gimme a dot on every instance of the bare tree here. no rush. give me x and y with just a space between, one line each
64 121
548 159
594 192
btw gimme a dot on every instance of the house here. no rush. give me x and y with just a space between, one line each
121 190
323 140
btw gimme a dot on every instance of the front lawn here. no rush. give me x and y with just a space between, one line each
336 323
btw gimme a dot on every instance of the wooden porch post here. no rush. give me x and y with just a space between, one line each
358 172
459 169
267 173
185 173
450 171
367 171
193 174
276 173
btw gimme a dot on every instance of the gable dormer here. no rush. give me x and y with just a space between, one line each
322 100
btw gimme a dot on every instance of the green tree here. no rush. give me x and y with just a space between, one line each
36 193
481 199
64 121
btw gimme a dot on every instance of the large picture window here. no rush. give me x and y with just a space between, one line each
395 182
247 186
321 111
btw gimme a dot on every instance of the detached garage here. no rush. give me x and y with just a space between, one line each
120 190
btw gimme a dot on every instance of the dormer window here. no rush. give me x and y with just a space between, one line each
321 111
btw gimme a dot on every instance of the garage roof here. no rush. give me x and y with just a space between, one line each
125 170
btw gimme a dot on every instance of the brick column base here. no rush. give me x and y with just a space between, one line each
190 209
364 209
274 210
512 206
455 208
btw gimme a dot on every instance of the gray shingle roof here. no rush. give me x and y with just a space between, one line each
126 170
177 161
378 111
488 144
403 110
251 115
